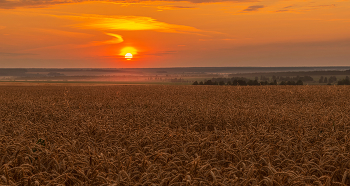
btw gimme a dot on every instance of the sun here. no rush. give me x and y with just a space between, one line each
128 52
128 56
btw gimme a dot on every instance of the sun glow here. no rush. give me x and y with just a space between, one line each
128 52
128 56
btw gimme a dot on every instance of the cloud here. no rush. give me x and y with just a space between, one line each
174 7
117 39
253 8
162 53
11 4
303 8
287 7
58 32
322 6
130 23
301 45
212 1
2 27
283 10
15 54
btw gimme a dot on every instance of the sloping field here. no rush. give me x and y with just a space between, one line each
174 135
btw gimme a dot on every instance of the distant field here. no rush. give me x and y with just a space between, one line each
88 83
174 135
167 76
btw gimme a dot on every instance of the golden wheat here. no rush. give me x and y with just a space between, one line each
174 135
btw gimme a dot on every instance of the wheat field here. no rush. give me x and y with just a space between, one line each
174 135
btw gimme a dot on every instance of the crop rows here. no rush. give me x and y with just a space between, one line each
174 135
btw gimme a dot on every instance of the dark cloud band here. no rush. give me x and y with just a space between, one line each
253 8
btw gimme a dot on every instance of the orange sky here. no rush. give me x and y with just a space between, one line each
83 34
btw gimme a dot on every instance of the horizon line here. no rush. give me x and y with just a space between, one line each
171 67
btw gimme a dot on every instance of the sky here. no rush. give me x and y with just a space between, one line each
165 33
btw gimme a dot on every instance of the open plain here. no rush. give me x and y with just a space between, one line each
174 135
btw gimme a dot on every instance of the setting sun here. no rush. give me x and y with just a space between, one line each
128 56
128 52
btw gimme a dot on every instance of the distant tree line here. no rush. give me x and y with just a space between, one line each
55 74
287 78
178 80
226 80
330 80
264 78
12 72
345 81
240 82
333 79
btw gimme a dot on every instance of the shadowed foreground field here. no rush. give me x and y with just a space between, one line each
174 135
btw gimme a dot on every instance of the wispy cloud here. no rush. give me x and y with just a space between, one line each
2 27
162 53
174 7
287 7
129 23
58 32
253 8
115 40
15 54
126 23
11 4
322 6
335 44
304 8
